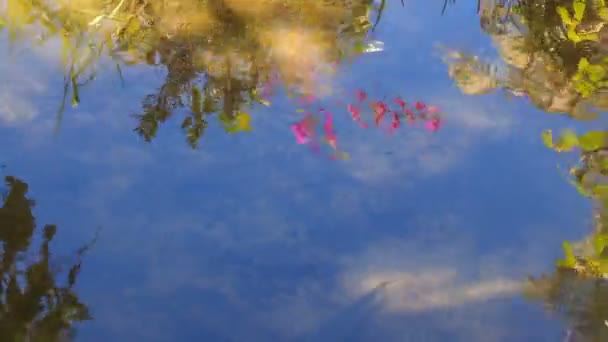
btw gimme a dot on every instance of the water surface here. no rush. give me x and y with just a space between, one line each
231 230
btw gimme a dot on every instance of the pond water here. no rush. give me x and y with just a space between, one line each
171 176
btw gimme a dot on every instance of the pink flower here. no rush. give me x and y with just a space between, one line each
395 124
354 111
302 137
304 129
420 106
330 134
400 102
432 110
410 115
380 108
361 95
433 125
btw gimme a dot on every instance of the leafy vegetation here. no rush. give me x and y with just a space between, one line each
554 53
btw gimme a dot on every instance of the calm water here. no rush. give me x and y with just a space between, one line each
417 236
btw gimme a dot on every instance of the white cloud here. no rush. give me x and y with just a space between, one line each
20 85
433 289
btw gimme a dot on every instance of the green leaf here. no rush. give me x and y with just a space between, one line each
596 73
593 140
604 253
569 260
583 64
581 189
241 123
547 137
567 141
75 96
2 22
359 47
579 9
603 13
600 191
573 36
589 36
600 244
564 15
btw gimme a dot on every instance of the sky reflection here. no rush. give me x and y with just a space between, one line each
252 237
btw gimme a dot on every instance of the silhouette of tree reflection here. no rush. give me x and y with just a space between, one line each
34 306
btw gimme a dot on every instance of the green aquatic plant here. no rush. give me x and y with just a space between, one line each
594 264
590 177
590 78
590 141
572 22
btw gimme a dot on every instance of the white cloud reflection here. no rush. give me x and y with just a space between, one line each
433 289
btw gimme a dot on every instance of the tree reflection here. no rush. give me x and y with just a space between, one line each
34 305
554 53
217 55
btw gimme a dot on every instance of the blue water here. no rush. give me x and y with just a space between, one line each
254 238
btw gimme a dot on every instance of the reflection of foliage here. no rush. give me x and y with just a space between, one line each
33 307
79 51
554 51
223 49
589 78
579 286
572 22
590 179
583 302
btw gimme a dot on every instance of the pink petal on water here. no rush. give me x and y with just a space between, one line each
433 110
300 133
361 95
433 125
400 102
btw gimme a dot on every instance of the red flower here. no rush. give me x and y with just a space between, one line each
420 105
